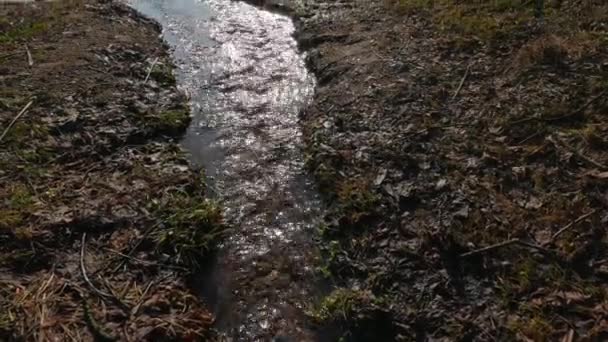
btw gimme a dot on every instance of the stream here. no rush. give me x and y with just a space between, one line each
247 82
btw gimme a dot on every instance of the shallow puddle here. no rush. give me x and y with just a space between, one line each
247 82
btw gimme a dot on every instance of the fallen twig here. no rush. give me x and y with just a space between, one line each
578 153
30 60
145 262
504 244
489 248
520 121
571 224
569 337
100 293
464 78
9 55
151 68
581 109
134 248
15 119
94 327
142 299
83 270
135 309
537 247
532 136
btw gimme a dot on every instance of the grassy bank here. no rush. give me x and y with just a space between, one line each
461 149
102 219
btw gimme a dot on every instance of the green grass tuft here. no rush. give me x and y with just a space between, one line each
192 225
340 305
172 122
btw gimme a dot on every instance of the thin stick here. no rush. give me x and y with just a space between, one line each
571 224
464 78
150 71
132 250
145 262
30 60
135 309
83 270
593 99
581 110
504 244
9 55
580 154
15 119
490 248
537 247
532 136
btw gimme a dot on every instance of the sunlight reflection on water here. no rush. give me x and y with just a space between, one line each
247 83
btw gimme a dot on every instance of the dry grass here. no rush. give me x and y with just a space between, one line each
52 308
553 50
486 20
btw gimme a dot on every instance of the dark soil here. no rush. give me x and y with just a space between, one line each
102 218
439 130
461 150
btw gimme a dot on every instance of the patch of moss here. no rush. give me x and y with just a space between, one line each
9 219
23 32
520 279
163 74
532 324
36 156
19 202
325 176
495 6
25 133
456 20
326 264
357 199
486 20
20 197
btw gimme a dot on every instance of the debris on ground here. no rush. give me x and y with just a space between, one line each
102 218
461 148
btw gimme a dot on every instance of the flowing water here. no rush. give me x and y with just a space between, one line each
247 82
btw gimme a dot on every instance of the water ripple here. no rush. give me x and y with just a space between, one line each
247 83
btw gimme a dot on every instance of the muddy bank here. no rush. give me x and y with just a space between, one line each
461 150
102 218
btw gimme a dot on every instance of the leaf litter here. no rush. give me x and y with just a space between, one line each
461 150
102 218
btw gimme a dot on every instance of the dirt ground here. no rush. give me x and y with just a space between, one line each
462 151
102 219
